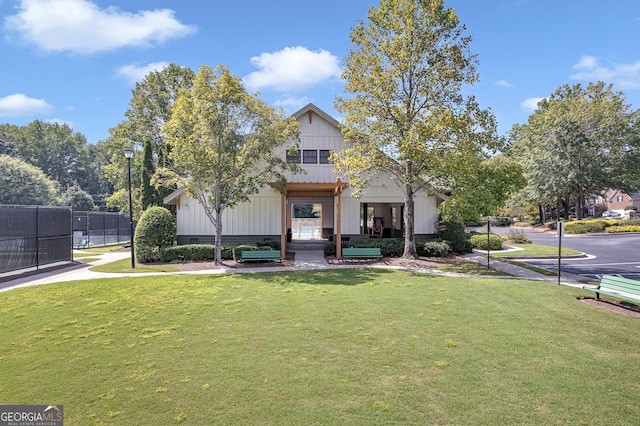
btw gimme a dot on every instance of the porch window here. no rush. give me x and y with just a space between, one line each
324 156
310 156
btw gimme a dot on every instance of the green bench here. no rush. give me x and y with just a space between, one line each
259 255
83 243
623 288
361 252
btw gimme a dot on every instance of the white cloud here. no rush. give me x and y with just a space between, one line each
530 105
80 26
61 122
292 103
503 83
292 69
136 73
624 76
19 105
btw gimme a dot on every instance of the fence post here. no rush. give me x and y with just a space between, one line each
37 237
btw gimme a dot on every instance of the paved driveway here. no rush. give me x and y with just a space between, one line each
613 254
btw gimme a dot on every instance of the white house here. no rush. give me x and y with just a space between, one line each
315 205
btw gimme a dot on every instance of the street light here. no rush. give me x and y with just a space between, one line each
128 153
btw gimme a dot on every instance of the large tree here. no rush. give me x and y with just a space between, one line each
488 188
149 109
62 154
580 141
406 114
25 184
226 144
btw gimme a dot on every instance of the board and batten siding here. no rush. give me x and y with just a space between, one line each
260 216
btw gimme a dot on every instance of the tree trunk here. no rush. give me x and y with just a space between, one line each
409 221
217 256
541 213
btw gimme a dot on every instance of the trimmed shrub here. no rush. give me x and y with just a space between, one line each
330 249
517 236
275 245
435 249
156 230
616 229
480 242
586 226
187 253
455 235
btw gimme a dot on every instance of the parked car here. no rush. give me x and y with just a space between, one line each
610 214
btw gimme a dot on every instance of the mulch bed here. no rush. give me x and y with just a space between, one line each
619 307
423 262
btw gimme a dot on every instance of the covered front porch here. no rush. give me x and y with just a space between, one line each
315 211
311 211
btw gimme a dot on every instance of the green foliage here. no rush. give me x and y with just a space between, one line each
629 228
275 245
483 189
148 194
80 200
481 242
404 111
25 184
435 249
634 208
62 154
187 253
455 235
226 144
579 141
149 109
518 236
587 226
156 230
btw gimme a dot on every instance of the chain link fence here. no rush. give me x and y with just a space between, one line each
96 229
35 236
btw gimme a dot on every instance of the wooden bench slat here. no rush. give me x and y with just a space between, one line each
623 288
255 255
361 252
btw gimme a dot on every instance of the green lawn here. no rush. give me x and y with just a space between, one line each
351 346
533 250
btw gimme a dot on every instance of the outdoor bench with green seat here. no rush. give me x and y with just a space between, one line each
361 252
259 255
623 288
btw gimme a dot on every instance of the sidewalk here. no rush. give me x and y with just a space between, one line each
305 260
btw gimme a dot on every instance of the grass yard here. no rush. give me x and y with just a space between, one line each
533 250
351 346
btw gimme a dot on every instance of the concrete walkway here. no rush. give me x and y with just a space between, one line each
305 260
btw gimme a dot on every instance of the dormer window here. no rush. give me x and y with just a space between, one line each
310 156
324 156
293 158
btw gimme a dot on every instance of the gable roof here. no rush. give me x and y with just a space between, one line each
315 110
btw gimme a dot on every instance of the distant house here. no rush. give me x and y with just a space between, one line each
315 205
614 199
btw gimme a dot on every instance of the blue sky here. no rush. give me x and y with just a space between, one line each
76 61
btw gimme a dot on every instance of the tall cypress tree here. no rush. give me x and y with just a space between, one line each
148 194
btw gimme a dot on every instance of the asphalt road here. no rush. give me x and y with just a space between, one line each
612 254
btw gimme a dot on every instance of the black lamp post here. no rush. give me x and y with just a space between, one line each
128 153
